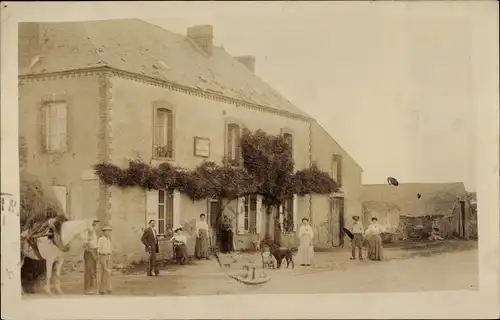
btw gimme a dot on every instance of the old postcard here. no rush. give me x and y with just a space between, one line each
250 160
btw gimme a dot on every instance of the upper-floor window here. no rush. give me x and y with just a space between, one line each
165 211
163 144
233 143
250 221
289 139
337 168
55 125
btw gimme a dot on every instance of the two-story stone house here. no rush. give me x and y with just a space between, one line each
116 90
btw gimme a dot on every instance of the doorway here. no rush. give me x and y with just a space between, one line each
337 222
214 207
462 219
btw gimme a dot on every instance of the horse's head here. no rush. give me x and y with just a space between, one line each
81 230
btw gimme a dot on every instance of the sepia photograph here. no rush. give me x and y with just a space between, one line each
192 153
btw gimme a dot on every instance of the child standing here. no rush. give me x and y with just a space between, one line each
104 248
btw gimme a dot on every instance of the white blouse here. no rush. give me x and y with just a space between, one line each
374 229
180 238
306 230
201 225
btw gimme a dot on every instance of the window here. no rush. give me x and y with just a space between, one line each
289 139
163 145
250 222
55 125
337 168
233 144
165 211
288 215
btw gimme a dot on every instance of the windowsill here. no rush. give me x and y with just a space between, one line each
160 160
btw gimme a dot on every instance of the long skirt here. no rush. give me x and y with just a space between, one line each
201 246
305 254
375 249
180 252
227 240
90 270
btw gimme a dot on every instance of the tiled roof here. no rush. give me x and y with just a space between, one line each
435 198
139 47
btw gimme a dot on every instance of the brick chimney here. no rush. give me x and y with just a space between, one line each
203 36
247 61
29 43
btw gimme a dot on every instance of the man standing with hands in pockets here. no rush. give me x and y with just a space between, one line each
150 241
357 240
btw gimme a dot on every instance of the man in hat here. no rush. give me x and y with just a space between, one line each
150 241
105 249
357 239
90 261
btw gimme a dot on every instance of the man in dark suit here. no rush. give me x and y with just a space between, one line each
150 240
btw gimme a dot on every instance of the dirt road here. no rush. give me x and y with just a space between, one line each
445 271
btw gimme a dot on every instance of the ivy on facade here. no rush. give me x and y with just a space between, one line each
268 170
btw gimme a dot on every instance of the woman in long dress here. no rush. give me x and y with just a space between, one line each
180 245
373 235
201 247
227 235
305 254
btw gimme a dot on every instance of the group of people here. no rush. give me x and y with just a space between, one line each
150 241
98 251
373 237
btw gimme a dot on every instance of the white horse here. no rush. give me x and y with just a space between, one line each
75 234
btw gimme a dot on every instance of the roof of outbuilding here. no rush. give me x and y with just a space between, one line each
435 198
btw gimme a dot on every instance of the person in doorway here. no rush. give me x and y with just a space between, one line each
373 235
305 254
180 245
150 240
90 257
105 250
202 234
227 235
357 239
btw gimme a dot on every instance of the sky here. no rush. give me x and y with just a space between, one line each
391 84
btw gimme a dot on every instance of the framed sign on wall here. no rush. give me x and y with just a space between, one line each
201 147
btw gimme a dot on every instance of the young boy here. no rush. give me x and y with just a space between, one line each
180 245
104 248
357 240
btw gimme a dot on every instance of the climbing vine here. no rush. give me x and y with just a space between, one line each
268 170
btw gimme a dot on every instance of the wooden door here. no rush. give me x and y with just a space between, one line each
213 212
337 223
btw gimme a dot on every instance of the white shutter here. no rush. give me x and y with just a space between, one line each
60 194
151 206
295 211
281 216
240 215
177 209
258 218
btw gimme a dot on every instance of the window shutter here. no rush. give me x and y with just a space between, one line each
295 211
177 209
170 133
42 128
281 216
339 170
237 148
230 142
240 215
151 206
62 123
60 194
258 215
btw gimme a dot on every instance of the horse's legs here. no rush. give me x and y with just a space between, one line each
59 263
49 265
